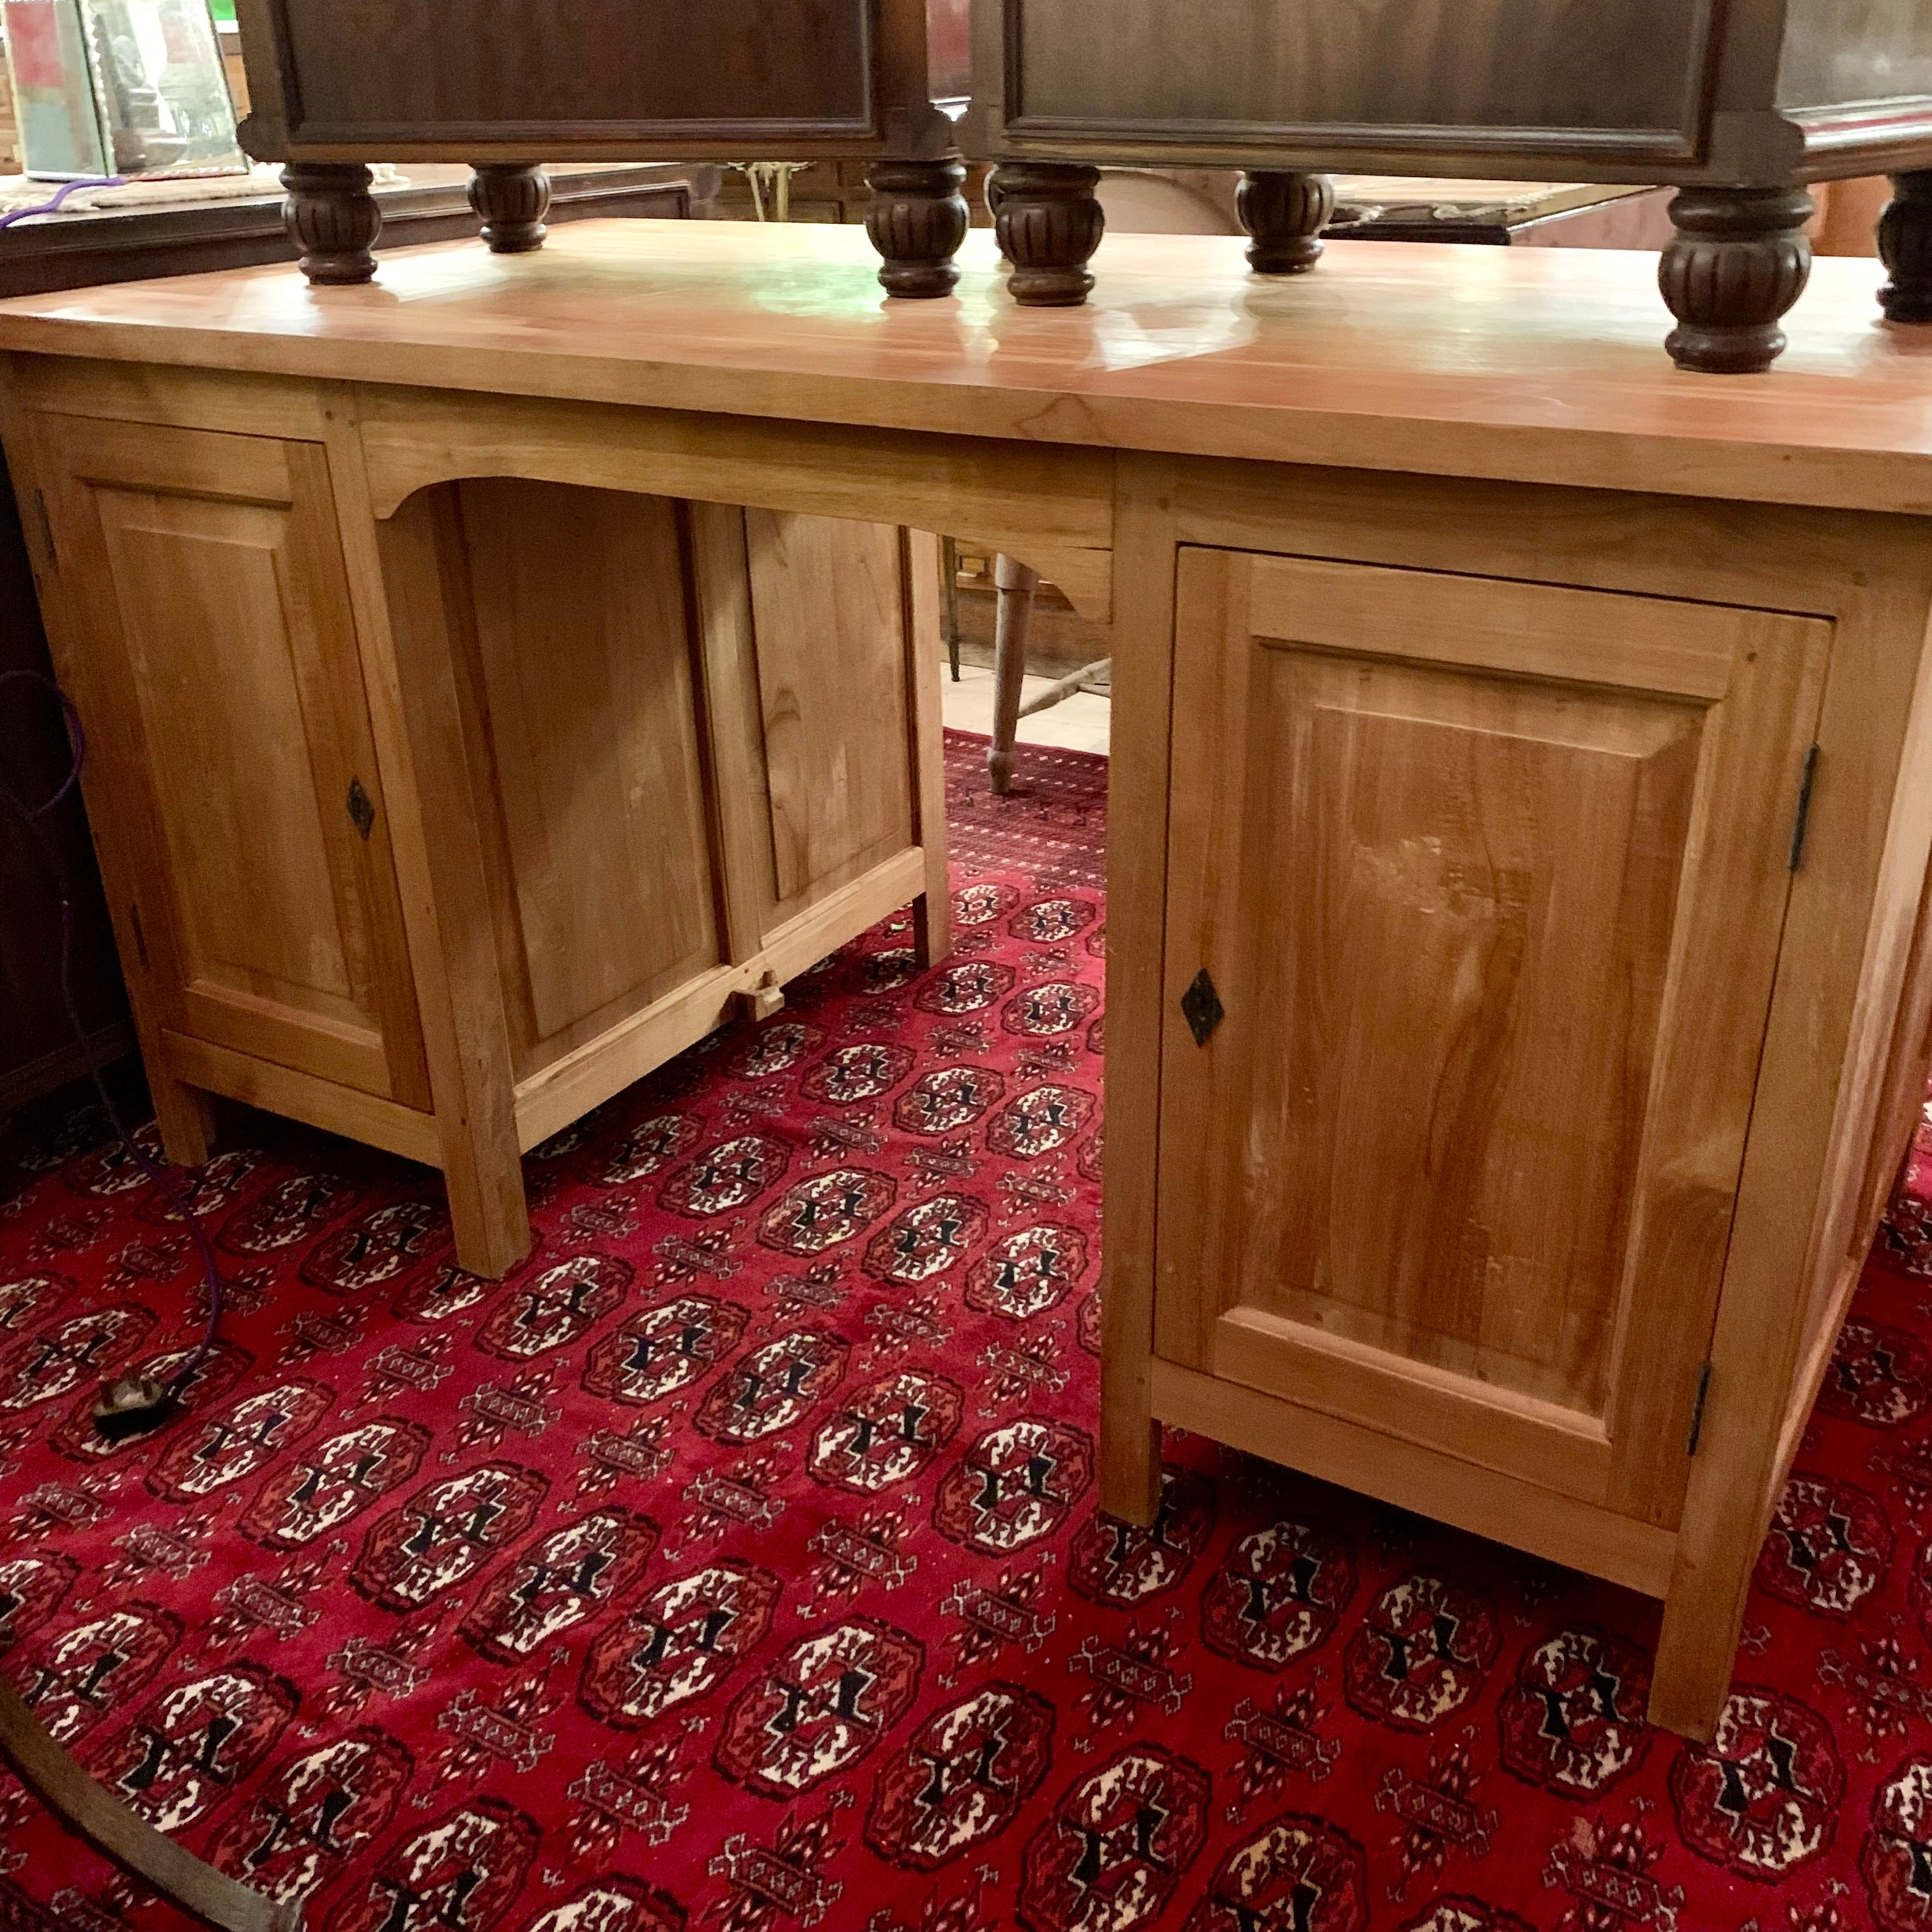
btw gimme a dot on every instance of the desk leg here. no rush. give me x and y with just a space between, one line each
409 664
1138 790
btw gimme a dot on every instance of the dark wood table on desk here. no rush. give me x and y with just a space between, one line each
37 1050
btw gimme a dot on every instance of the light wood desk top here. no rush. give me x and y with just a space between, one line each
1531 365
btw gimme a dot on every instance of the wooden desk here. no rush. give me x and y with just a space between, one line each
1522 781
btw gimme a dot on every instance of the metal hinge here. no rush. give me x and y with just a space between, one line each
361 813
1697 1410
1201 1006
1804 817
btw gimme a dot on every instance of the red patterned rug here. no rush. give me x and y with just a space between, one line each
735 1566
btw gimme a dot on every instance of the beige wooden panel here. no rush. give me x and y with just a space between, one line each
829 623
209 564
1540 630
1495 950
587 747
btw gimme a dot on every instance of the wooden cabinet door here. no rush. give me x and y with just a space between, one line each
216 663
806 620
1487 879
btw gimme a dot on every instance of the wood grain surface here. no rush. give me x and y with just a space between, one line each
1529 365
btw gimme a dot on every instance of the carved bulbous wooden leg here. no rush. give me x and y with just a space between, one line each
916 218
1048 222
1905 247
512 200
333 219
1285 214
1738 260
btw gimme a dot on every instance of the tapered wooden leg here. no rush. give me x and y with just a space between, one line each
511 199
1905 247
1016 585
1737 262
333 218
1049 222
916 218
185 1116
1285 214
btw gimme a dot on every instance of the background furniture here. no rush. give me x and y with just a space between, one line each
67 250
1738 107
335 84
438 820
1411 660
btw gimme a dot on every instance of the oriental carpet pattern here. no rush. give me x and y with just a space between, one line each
734 1566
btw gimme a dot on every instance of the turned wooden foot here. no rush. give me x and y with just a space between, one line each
1905 247
333 219
512 200
916 218
1738 260
1048 222
1285 214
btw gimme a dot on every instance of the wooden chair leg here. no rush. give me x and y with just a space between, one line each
88 1808
949 567
1016 584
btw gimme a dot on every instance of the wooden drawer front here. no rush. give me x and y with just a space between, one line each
218 664
805 624
1489 878
579 693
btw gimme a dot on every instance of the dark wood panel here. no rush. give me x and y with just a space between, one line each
477 62
1372 63
1854 50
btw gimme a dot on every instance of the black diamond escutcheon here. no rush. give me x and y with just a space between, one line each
1201 1006
361 810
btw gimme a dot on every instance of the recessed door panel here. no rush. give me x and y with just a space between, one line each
1488 881
209 567
587 730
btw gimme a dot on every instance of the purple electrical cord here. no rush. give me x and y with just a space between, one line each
52 203
30 817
